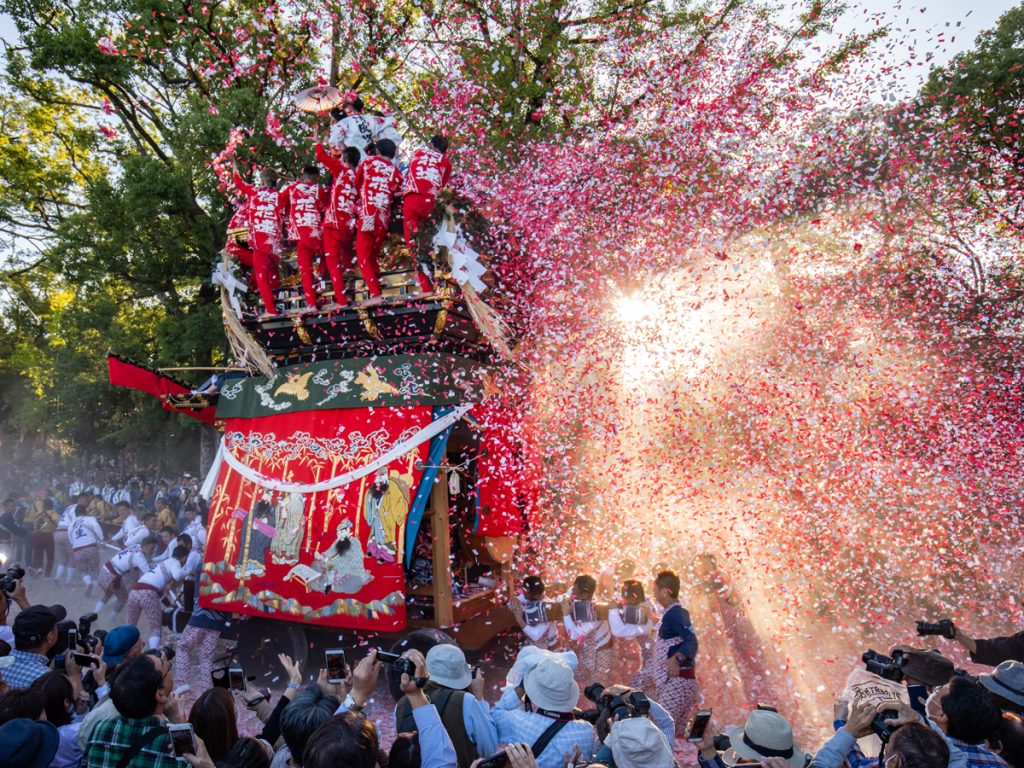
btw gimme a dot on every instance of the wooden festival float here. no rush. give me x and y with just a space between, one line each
355 486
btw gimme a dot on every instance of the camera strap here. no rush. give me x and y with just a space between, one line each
139 743
545 738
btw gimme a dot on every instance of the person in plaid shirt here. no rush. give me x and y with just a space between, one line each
962 711
35 633
142 694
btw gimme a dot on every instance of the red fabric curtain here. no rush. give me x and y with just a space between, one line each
507 478
262 560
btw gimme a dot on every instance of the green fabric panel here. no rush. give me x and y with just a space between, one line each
385 382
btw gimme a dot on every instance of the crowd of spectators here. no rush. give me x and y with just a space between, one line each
109 701
74 695
33 523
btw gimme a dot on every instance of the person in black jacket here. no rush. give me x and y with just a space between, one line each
992 651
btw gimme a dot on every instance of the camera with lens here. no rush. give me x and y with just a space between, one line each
167 651
886 667
400 664
618 702
880 728
9 581
943 628
86 639
722 742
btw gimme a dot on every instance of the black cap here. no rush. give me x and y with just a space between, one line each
32 625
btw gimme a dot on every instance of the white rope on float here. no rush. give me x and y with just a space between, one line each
396 451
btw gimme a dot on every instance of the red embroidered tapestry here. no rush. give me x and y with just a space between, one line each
301 552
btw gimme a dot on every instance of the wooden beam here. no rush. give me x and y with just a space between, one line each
444 612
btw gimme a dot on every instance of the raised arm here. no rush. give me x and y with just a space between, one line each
331 163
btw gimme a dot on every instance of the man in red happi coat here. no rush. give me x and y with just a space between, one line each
377 180
304 201
238 234
265 217
428 174
340 216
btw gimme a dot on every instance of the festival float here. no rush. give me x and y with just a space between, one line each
368 477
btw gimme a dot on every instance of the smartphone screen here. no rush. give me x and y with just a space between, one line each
916 694
72 639
334 661
84 660
699 726
181 739
219 677
388 658
236 679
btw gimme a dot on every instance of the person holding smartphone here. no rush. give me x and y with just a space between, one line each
352 740
141 737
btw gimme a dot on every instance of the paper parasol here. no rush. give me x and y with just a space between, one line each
319 98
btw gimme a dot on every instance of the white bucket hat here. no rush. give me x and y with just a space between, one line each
765 734
551 685
446 665
636 742
530 656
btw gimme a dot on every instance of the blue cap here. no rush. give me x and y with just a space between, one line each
118 642
28 743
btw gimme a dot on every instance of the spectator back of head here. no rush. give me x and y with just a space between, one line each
214 721
57 691
1009 741
135 689
405 751
248 753
918 746
22 702
348 740
303 716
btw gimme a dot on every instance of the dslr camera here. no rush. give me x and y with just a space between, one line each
167 651
888 668
616 703
86 639
9 581
943 628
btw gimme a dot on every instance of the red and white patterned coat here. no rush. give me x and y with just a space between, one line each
265 215
428 173
305 204
377 181
341 209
